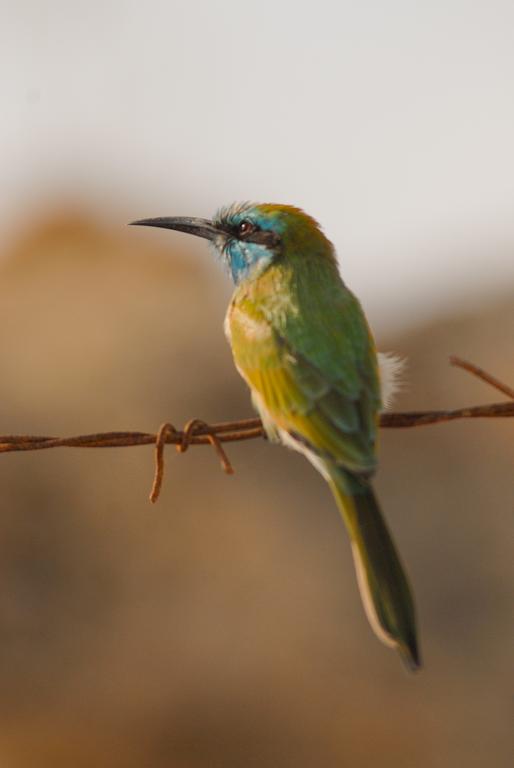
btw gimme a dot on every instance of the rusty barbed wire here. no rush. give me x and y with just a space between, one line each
198 432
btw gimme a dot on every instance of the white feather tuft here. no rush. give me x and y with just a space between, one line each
392 380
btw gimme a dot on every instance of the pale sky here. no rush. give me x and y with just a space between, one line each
390 121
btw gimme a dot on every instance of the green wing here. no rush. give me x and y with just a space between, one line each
313 371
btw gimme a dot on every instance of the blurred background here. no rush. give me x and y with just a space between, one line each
223 627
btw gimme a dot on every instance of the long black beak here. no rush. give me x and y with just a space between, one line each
191 225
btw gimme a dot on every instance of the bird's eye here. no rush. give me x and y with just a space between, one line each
246 228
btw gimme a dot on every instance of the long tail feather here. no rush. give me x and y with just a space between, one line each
383 585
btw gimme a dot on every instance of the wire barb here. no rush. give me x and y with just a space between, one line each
168 433
212 437
164 432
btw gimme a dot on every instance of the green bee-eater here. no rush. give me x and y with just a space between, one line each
301 342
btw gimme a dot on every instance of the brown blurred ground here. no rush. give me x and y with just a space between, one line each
223 627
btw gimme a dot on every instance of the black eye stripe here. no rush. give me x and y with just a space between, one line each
264 237
248 232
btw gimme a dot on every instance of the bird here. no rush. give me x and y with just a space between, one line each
301 342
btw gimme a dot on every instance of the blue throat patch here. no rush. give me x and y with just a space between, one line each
245 260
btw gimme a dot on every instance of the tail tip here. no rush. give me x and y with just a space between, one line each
411 656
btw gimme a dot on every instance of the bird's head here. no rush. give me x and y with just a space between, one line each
249 236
